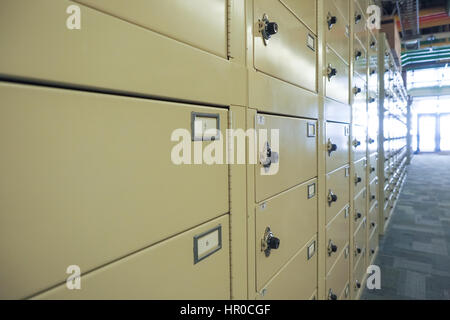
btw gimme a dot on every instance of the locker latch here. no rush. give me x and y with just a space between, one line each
267 28
331 72
356 90
267 156
331 295
331 198
331 248
331 147
331 20
269 242
356 143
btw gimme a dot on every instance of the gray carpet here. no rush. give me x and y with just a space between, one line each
414 254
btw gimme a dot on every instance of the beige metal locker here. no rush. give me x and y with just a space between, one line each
337 236
338 192
284 47
338 277
338 139
98 180
290 217
337 31
191 265
297 154
336 74
297 279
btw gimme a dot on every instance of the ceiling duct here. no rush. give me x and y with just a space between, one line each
408 11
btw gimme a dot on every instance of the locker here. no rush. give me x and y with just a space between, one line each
373 245
96 172
338 277
305 10
337 145
297 144
166 270
337 73
170 18
337 31
373 219
359 274
91 57
360 175
338 193
359 209
291 217
373 197
359 58
359 19
359 250
284 48
297 279
359 142
359 101
337 236
336 111
373 166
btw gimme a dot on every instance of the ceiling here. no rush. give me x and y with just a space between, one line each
422 23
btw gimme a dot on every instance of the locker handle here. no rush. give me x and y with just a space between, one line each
269 242
267 28
331 147
332 198
331 295
356 143
331 20
356 90
331 248
331 72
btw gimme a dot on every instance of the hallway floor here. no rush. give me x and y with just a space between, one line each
414 254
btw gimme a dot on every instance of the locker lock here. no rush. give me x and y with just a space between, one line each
356 143
373 224
331 20
372 169
269 242
358 216
267 28
331 147
357 284
358 180
358 251
372 72
372 44
370 139
358 55
372 197
356 90
371 100
331 72
331 295
331 198
267 156
331 248
358 18
372 251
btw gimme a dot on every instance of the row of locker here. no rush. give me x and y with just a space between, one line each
103 192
